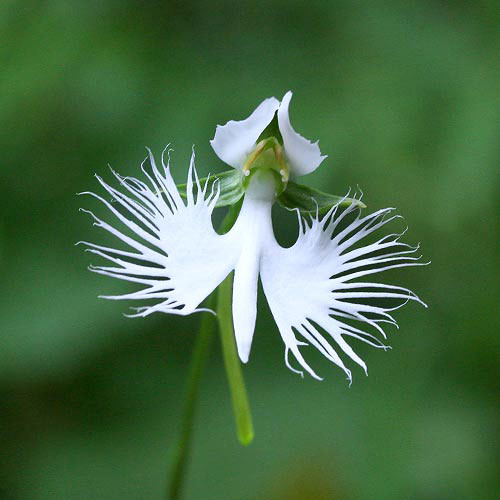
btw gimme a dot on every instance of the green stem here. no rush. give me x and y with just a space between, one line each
241 408
198 360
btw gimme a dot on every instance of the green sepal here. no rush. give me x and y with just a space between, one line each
310 200
230 183
272 130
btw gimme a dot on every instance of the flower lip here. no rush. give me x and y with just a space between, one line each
316 289
236 142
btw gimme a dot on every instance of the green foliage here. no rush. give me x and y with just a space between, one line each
272 130
229 183
309 200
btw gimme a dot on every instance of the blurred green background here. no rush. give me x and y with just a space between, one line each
403 97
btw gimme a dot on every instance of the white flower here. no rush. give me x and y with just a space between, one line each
234 141
316 289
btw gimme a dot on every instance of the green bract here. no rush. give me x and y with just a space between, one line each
309 200
295 196
231 187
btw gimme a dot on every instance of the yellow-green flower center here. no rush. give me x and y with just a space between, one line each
267 155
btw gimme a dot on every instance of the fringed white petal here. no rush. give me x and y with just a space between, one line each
174 251
235 140
310 288
303 156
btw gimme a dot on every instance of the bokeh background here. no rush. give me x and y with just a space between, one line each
403 97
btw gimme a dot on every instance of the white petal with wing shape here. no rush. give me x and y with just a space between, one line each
234 141
310 288
174 251
303 156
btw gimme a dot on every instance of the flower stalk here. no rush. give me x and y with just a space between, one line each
200 355
239 399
